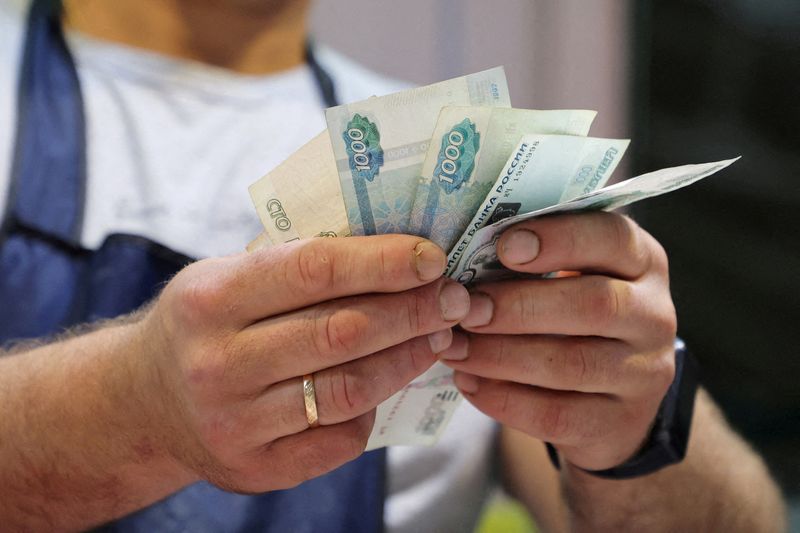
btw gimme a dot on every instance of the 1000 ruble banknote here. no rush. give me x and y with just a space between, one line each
470 145
479 260
452 162
543 170
380 143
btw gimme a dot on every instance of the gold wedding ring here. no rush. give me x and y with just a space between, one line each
310 398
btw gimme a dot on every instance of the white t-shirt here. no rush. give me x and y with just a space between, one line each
172 147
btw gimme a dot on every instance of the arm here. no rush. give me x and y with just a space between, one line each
583 361
206 383
721 485
77 445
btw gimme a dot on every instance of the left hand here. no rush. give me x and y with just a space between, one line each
583 361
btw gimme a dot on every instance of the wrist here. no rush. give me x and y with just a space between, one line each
151 399
126 406
84 442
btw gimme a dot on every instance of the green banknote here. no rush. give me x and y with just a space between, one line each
542 171
479 259
380 143
469 147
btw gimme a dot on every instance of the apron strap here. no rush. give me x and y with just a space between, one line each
53 282
325 85
51 138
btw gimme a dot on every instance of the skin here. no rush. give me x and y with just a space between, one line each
205 383
590 356
246 36
583 362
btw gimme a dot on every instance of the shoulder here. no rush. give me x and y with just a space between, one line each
353 81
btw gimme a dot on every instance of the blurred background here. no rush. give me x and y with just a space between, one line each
554 52
688 81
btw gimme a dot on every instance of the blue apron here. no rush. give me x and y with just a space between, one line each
49 282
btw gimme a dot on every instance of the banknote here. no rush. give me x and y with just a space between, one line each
419 412
480 263
450 155
380 143
468 149
542 171
301 197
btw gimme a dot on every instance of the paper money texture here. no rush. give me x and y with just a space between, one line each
380 143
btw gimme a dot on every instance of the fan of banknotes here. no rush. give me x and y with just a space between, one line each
455 163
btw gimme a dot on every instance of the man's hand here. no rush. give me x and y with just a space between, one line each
363 315
207 382
581 361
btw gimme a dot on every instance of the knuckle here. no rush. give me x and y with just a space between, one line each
203 374
595 430
664 370
523 307
659 257
345 394
504 351
631 242
642 247
419 357
416 302
581 364
338 331
501 354
203 368
505 404
667 323
623 235
571 235
554 421
656 256
314 268
384 266
602 303
241 353
280 418
217 432
197 295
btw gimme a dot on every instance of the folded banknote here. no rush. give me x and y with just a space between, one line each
452 162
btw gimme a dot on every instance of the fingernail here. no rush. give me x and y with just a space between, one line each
458 349
454 301
441 340
466 383
521 246
481 310
429 261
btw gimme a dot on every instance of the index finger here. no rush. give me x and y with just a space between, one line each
302 273
597 242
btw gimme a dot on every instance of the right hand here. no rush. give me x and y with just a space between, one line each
229 340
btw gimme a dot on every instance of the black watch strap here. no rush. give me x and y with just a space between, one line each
669 437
